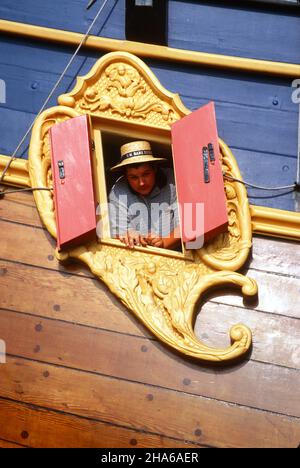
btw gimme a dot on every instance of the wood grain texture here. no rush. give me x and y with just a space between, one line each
41 428
129 404
96 374
281 333
56 14
270 297
268 112
212 27
256 115
271 255
275 338
276 256
10 445
19 208
62 296
233 30
83 299
91 350
80 370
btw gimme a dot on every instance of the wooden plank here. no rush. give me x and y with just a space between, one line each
223 86
268 130
275 339
270 120
266 170
65 297
192 25
139 360
262 106
272 255
28 88
144 407
271 296
279 253
280 333
45 59
75 295
20 208
259 144
234 30
40 247
14 125
32 79
276 256
40 428
111 22
119 319
7 444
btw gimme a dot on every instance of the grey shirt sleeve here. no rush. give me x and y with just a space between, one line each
118 215
173 200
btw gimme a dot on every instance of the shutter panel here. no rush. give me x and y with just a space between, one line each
197 181
73 182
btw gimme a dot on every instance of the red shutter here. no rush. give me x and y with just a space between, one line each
190 136
73 183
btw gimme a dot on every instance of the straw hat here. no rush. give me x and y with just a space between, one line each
136 152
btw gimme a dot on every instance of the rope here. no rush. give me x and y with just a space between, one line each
260 187
295 186
6 192
13 156
298 159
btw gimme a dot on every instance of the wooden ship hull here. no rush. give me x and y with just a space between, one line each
79 370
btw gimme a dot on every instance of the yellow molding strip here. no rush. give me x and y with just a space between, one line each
152 51
17 174
266 221
275 223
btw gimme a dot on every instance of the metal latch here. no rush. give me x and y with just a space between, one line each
61 169
211 153
205 164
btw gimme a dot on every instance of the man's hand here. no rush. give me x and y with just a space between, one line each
155 241
133 239
170 242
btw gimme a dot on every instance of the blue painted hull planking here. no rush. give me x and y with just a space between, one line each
255 113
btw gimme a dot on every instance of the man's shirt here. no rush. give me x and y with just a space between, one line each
156 213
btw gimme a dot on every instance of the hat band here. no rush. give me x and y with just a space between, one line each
133 154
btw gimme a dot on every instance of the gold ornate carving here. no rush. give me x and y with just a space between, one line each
119 87
161 288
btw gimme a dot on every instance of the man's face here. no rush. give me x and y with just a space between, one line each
141 179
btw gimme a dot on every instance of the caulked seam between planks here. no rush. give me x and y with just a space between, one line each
131 335
270 153
91 327
165 389
205 301
70 79
233 104
87 275
108 423
14 442
92 278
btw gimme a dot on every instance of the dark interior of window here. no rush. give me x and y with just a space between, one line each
146 21
111 144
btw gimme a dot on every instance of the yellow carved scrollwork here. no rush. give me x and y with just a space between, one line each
161 290
122 88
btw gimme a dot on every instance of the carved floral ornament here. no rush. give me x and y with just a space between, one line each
160 288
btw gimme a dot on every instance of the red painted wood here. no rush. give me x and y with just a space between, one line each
189 136
74 195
